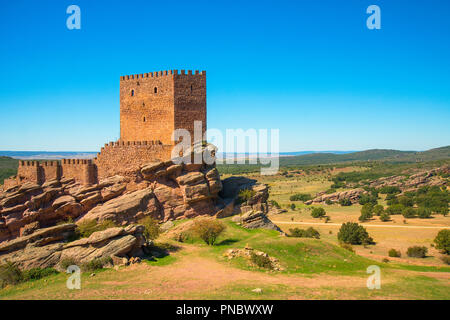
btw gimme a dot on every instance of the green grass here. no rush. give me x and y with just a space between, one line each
8 168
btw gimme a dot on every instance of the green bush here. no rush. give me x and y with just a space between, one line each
395 209
10 274
406 201
389 190
368 198
347 246
292 206
245 195
328 202
86 228
318 212
208 230
378 209
442 241
394 253
261 261
275 204
66 262
353 233
385 217
330 191
302 233
409 212
300 197
366 212
345 202
96 264
417 252
152 229
424 213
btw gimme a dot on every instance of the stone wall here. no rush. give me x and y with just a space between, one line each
122 157
83 171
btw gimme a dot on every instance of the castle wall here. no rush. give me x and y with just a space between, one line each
122 157
83 171
29 171
51 170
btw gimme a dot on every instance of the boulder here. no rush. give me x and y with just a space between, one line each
255 220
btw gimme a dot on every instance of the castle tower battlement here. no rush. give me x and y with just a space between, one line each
153 105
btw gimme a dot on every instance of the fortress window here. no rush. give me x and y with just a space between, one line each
156 90
191 88
132 93
143 119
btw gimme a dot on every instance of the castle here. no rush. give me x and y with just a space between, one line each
152 106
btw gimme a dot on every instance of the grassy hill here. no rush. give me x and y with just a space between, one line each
8 167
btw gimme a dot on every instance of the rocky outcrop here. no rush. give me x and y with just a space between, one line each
231 204
353 195
28 207
49 246
255 220
163 190
247 253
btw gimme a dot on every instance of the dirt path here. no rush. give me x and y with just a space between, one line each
365 225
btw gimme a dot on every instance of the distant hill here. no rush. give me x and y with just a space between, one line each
8 167
368 155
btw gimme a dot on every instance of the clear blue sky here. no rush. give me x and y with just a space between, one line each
310 68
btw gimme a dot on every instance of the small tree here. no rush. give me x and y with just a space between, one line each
385 217
424 213
442 241
292 206
366 212
345 202
409 212
152 229
353 233
208 230
417 252
318 212
378 209
394 253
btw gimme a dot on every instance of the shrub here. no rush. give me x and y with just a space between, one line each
353 233
261 261
385 217
208 230
275 204
318 212
347 246
292 206
394 253
378 209
406 201
395 209
424 213
389 190
300 197
96 264
328 202
385 260
38 273
345 202
417 252
445 259
86 228
152 229
302 233
330 191
409 212
245 195
66 262
366 212
10 274
368 198
442 241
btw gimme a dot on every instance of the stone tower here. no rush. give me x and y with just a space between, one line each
153 105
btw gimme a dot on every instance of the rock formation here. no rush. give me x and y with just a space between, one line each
48 247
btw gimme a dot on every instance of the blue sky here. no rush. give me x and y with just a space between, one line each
310 68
